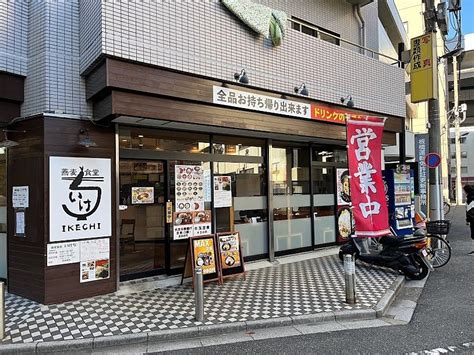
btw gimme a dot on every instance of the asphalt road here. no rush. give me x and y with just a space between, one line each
443 317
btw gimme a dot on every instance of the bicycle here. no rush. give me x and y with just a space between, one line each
438 248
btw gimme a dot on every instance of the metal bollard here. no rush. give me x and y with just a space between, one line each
2 310
198 295
349 277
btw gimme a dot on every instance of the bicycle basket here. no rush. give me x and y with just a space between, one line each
438 227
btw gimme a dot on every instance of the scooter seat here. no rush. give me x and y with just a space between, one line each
391 240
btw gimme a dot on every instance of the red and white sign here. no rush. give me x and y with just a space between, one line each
364 142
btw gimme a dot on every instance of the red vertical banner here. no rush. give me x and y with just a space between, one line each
364 152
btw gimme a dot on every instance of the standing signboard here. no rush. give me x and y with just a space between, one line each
202 252
364 152
230 254
80 199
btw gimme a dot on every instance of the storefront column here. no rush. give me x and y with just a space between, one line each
117 203
311 194
271 236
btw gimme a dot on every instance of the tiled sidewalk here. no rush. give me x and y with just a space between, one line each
304 287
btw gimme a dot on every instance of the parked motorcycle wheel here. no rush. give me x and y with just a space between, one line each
422 267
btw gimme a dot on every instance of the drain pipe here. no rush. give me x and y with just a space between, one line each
362 32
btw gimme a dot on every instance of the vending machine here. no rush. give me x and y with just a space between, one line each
400 191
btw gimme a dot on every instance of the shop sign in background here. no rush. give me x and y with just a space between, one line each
424 68
421 148
80 205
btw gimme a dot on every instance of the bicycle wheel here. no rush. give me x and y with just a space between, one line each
439 251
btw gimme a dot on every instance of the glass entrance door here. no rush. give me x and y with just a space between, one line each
142 218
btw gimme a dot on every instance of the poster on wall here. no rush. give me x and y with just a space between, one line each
189 186
95 260
222 191
20 197
63 253
143 195
345 222
190 224
80 199
343 187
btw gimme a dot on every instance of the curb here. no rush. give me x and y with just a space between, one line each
384 303
90 344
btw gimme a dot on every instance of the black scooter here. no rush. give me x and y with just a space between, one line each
405 255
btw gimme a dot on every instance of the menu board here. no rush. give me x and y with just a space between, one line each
204 255
189 187
95 260
222 191
230 254
143 195
190 224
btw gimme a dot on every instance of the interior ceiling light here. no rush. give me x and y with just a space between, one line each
302 90
85 140
241 77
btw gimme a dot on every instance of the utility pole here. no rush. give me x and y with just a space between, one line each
434 127
457 131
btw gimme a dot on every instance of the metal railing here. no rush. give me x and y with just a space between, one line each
363 49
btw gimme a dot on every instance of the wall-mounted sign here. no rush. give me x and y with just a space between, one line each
424 68
95 260
20 197
63 253
222 191
190 224
251 101
20 223
189 184
142 195
80 204
421 147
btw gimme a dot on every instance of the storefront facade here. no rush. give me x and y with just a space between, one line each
107 104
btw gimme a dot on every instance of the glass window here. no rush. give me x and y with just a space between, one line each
329 155
237 146
248 213
463 154
324 202
142 216
171 141
292 211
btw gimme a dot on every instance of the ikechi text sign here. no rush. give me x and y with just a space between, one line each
364 141
80 199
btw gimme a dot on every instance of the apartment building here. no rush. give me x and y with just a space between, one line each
139 124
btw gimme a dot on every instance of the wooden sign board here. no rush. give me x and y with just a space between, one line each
231 259
202 252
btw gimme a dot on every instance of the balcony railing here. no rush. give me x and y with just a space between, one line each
361 49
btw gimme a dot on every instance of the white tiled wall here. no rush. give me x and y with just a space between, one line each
203 37
65 37
13 34
53 81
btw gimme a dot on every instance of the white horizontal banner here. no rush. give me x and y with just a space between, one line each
251 101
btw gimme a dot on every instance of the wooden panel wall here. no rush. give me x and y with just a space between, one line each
61 139
29 165
136 78
26 260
